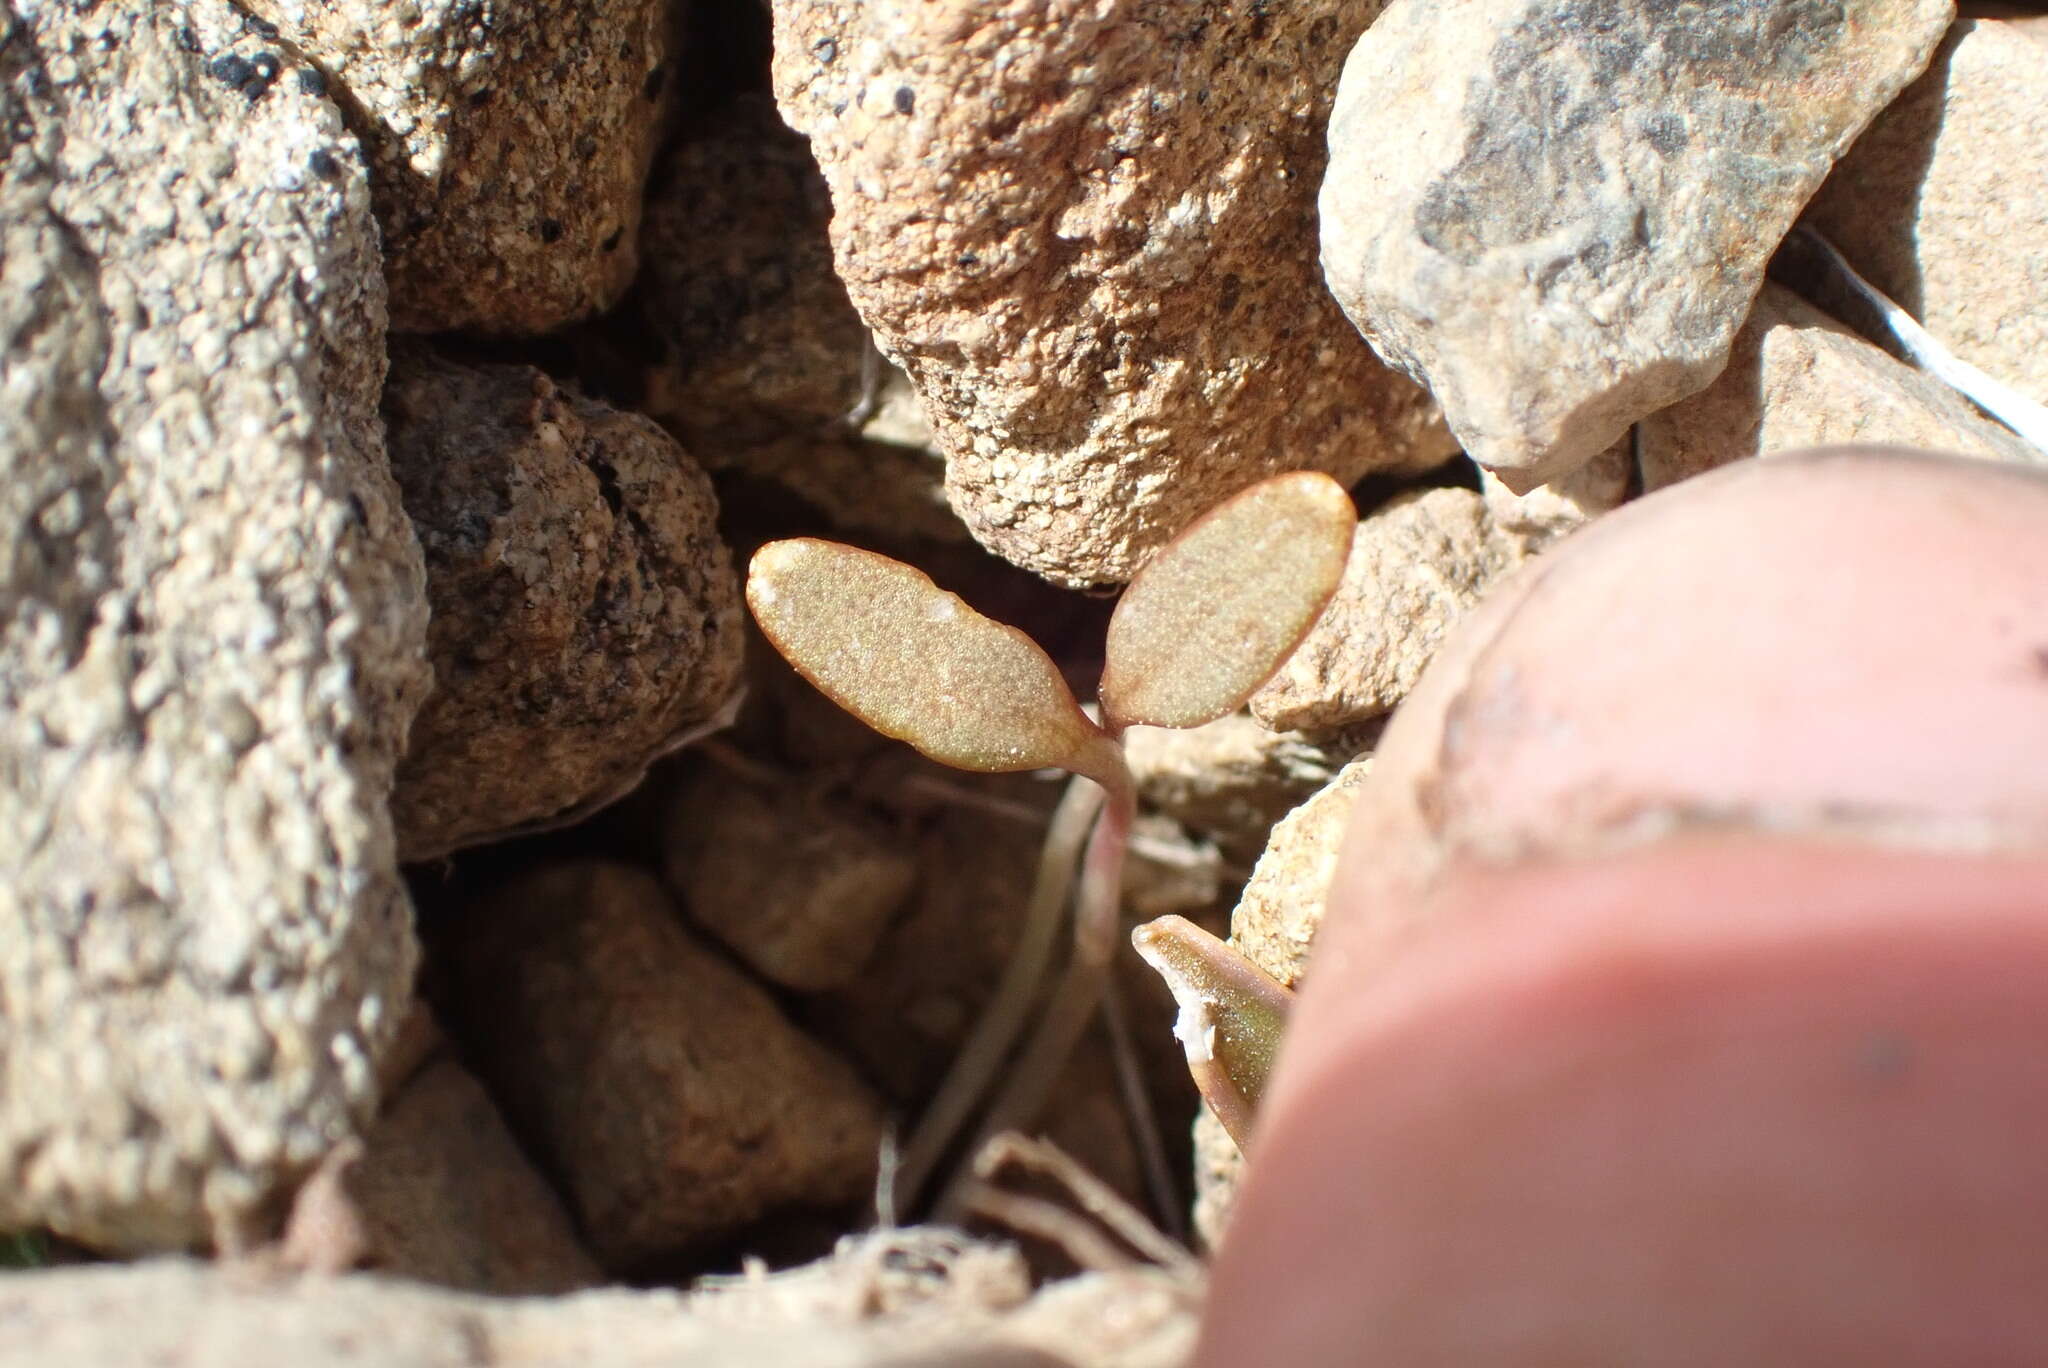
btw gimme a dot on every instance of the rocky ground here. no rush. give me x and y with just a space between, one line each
437 929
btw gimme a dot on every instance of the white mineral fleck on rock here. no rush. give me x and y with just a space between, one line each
1556 212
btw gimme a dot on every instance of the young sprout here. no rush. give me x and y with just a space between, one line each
1232 1014
1209 619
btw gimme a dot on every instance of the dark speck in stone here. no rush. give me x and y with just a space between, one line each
906 99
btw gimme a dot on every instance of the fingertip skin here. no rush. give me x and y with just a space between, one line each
1712 1102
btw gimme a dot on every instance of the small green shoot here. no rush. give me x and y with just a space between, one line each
1232 1015
1208 620
24 1249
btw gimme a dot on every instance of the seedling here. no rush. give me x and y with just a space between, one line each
1208 620
1232 1015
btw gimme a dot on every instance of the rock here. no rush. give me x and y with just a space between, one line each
764 363
213 636
1555 213
894 1299
1416 566
1531 523
508 144
1219 1168
1232 779
1943 202
445 1196
586 614
1281 906
667 1091
798 886
1274 926
1086 232
1797 379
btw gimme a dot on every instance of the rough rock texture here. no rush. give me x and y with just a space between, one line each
1943 202
1281 906
444 1196
1531 523
667 1090
1555 212
1232 779
212 639
798 886
1274 926
1085 228
586 615
765 366
895 1299
508 144
1416 566
1797 379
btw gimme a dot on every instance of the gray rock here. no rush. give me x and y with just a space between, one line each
666 1089
213 634
1798 379
1943 203
586 614
1088 236
1555 213
509 143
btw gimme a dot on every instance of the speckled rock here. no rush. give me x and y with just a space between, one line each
509 143
586 615
1086 230
1943 202
1274 925
798 886
666 1089
445 1196
1416 566
893 1299
765 367
1556 212
213 636
1233 779
1797 379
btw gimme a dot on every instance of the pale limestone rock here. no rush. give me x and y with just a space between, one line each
508 142
1416 566
214 628
1533 522
1556 212
917 1298
798 887
444 1195
1085 228
1232 779
764 365
1797 379
1274 925
1943 202
586 614
668 1091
